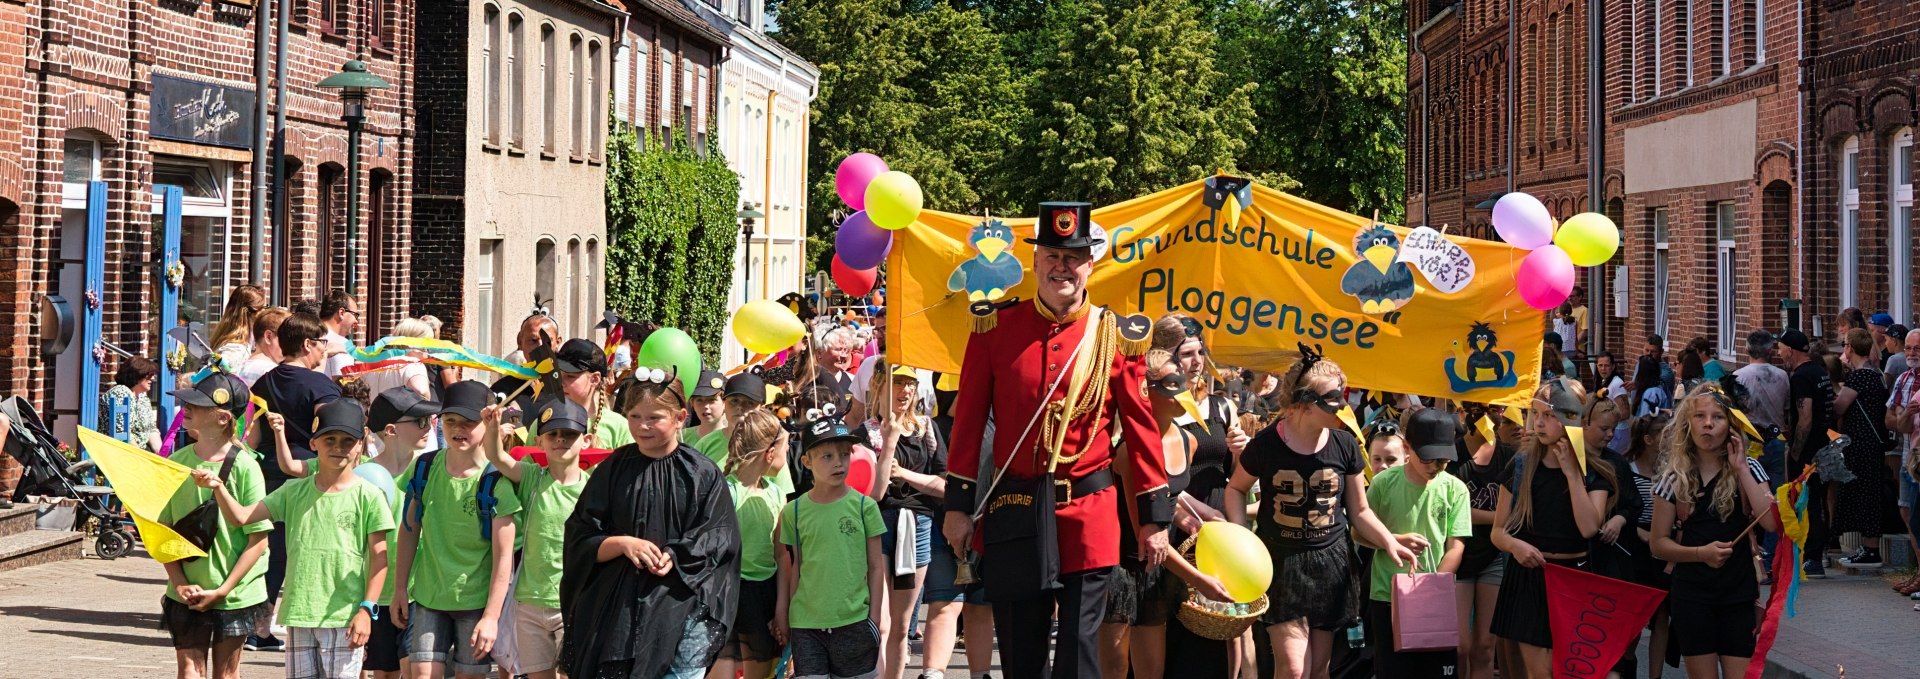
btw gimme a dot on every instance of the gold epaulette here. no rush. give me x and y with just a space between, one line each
986 316
1136 334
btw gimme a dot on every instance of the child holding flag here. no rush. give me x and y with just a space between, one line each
337 527
547 496
213 602
1702 492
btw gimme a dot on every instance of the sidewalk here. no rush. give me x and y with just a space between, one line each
1855 622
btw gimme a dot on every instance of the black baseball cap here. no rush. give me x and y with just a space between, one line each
219 390
342 415
1795 340
1433 433
825 428
467 398
749 385
562 414
399 403
580 356
711 383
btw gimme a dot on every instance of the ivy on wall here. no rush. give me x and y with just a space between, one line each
670 221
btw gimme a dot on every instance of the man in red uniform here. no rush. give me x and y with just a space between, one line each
1059 377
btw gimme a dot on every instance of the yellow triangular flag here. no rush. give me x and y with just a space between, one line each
1193 408
145 483
1746 425
1346 415
1579 439
1485 425
1513 413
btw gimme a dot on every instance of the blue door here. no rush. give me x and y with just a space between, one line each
170 277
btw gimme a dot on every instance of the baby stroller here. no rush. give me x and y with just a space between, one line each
48 474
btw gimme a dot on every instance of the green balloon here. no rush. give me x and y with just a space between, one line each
670 349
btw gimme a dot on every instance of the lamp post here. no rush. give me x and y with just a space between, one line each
747 215
354 84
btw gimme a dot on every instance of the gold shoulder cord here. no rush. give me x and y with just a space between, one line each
1088 396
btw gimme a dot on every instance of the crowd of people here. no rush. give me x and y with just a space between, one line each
819 516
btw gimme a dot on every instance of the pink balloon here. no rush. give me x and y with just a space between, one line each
851 178
855 282
860 470
1545 277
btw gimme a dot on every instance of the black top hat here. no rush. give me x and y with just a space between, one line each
1065 226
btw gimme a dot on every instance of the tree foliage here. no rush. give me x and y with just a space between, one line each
672 233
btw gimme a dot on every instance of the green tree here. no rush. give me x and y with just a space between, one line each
672 233
1332 98
1127 102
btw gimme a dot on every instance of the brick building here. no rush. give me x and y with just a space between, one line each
1862 61
510 195
134 94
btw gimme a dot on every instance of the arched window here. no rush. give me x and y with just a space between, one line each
380 308
576 76
596 93
516 81
591 283
576 302
332 215
545 267
550 90
490 52
1900 226
1849 222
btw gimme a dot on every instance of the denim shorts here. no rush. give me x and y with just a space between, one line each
922 536
1495 571
444 637
940 586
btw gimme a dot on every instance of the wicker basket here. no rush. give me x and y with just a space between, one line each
1210 624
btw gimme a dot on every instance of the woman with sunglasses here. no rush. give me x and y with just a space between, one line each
1310 473
1140 630
1547 514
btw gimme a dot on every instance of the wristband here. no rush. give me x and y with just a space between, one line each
373 611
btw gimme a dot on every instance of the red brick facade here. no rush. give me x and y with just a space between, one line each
85 69
671 53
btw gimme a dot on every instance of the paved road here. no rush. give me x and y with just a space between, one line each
91 618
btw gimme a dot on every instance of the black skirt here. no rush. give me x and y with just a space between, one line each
1521 613
1321 585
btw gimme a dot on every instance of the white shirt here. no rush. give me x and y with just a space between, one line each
863 380
337 356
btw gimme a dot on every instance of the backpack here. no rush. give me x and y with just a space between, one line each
414 509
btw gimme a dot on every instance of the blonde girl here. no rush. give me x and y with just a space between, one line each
757 449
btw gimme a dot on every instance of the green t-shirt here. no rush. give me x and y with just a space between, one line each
832 549
1439 510
609 434
453 564
716 447
248 486
382 480
545 505
755 509
327 555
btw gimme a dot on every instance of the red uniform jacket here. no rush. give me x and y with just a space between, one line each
1005 371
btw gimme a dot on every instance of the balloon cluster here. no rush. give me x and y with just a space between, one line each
1545 277
886 201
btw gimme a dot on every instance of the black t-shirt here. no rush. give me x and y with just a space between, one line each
1732 582
1811 381
923 454
295 393
1302 497
1483 492
1552 528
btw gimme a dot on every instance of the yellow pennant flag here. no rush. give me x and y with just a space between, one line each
1578 436
1485 426
1346 416
145 483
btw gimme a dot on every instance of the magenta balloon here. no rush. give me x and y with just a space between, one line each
851 178
861 244
1545 277
1522 221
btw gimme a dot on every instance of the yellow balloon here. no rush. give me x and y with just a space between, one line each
1589 238
894 200
765 326
1235 556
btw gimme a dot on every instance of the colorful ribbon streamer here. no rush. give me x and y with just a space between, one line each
443 352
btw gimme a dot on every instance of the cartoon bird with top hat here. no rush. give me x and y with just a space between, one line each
1381 284
993 270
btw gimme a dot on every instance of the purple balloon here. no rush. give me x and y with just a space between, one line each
851 178
1522 221
1545 277
860 244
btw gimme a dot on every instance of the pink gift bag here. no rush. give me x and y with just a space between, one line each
1425 614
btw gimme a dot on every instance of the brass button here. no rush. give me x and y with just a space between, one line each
1052 367
1056 347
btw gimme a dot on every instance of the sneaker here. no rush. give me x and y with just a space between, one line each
1865 558
933 674
1815 570
270 644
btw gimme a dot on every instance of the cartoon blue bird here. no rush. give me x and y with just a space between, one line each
1380 283
991 272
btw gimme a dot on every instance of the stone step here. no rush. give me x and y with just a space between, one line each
37 547
16 520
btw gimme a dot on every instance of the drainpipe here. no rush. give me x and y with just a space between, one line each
1596 163
257 206
1800 162
282 242
1513 98
766 265
1426 142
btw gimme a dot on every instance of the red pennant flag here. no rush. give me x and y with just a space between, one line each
1595 618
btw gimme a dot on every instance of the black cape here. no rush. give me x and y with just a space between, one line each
625 622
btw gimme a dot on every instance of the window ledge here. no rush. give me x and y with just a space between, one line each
548 155
327 35
383 52
516 151
489 147
595 161
575 157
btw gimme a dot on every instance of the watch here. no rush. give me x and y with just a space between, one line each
373 611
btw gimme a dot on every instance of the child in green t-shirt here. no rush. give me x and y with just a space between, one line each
547 497
1423 506
707 407
337 527
835 625
212 602
456 544
758 448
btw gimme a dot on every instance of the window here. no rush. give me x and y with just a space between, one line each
544 269
516 81
333 16
1850 223
1659 46
379 234
700 109
1660 254
665 120
213 252
1685 35
488 300
490 80
80 165
383 25
642 68
1900 169
1723 213
1757 26
332 199
596 113
594 302
1723 65
576 83
576 302
549 73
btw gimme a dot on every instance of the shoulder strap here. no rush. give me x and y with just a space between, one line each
485 501
226 466
413 508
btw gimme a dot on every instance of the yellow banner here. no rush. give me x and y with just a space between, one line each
145 483
1411 311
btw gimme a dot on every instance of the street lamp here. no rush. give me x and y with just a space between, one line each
354 84
746 215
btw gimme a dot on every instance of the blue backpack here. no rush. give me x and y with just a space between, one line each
415 509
